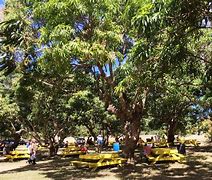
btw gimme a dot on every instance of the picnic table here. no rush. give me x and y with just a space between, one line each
165 154
160 143
94 161
21 152
42 151
193 142
188 142
70 150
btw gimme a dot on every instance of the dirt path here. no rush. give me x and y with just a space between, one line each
198 166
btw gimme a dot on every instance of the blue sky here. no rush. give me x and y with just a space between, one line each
1 3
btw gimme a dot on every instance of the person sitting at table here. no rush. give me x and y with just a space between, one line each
6 149
83 148
181 148
66 144
147 150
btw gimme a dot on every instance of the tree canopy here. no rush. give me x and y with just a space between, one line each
106 64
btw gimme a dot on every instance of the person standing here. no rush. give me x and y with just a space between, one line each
33 150
99 143
181 148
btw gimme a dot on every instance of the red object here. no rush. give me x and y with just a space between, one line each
147 150
84 149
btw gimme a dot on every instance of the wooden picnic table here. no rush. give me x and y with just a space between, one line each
165 154
160 143
193 142
42 151
21 152
188 142
94 161
70 150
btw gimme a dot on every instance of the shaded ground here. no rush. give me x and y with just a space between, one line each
198 166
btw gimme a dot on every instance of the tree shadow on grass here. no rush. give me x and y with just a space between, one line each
57 168
195 168
192 170
207 148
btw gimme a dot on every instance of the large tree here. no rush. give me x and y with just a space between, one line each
130 47
96 35
165 33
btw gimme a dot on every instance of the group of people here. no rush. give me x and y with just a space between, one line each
90 142
6 147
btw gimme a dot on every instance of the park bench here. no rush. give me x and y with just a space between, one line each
21 152
94 161
165 154
70 151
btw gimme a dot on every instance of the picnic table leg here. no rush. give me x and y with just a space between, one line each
179 156
156 159
100 161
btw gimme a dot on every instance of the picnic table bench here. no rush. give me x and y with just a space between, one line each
94 161
165 154
69 151
21 152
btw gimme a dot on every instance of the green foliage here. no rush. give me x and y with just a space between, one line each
89 111
206 127
9 119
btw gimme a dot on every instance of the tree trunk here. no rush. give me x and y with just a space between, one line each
52 148
132 131
17 138
171 131
92 133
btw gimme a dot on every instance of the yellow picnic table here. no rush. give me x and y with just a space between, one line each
193 142
69 151
42 151
188 142
160 143
21 152
165 154
99 160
